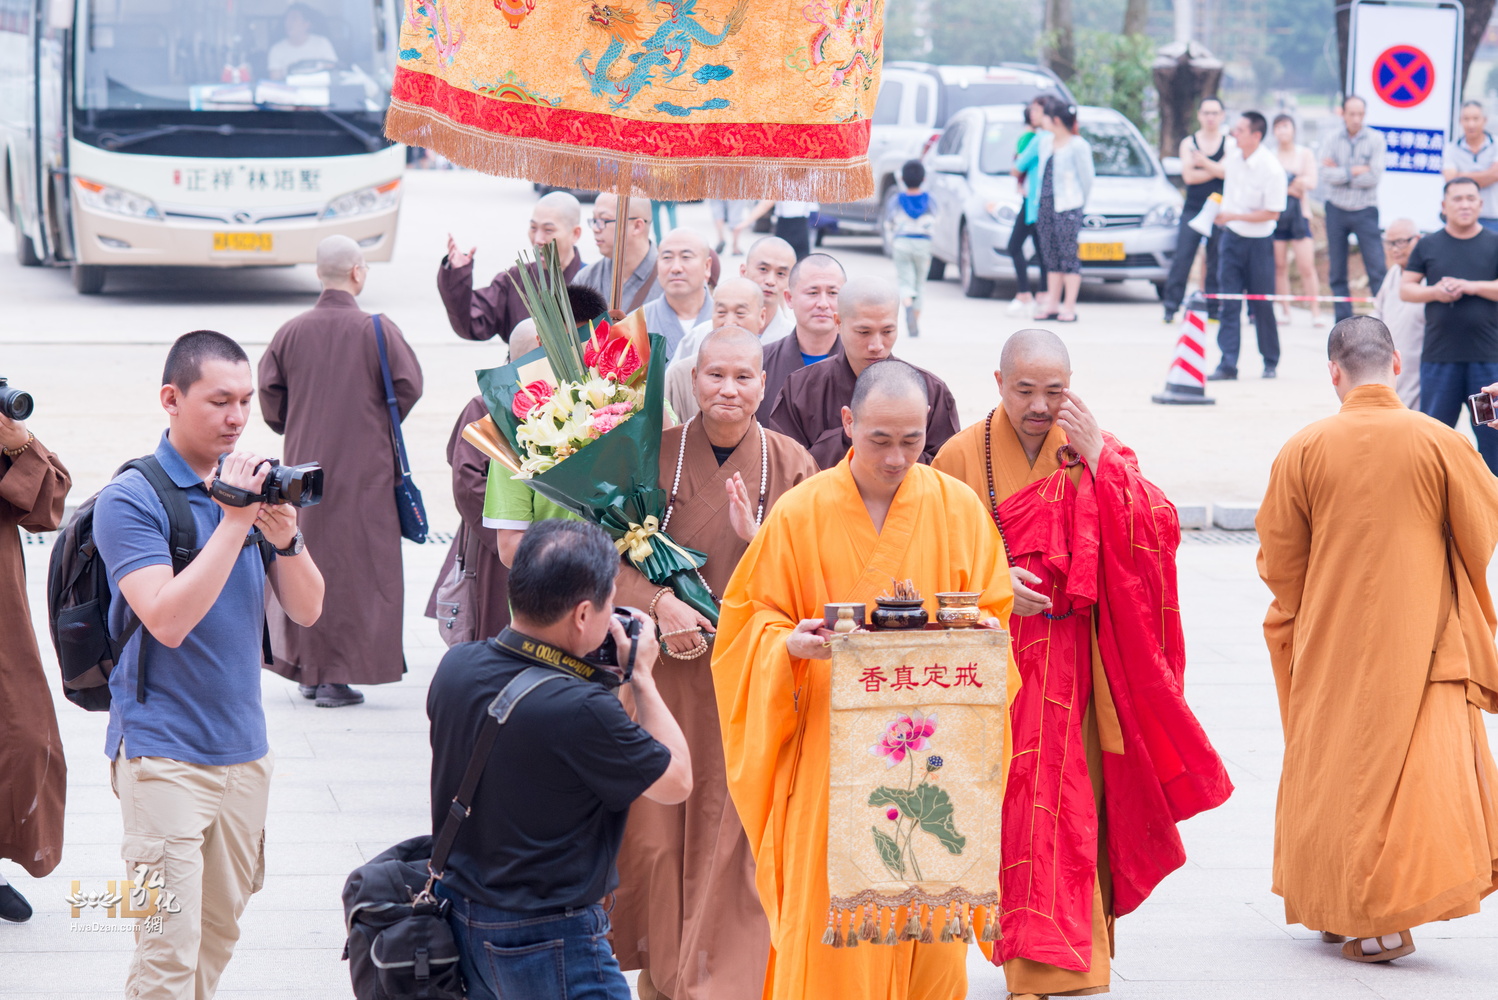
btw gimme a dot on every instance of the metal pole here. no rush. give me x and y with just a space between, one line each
1183 17
620 225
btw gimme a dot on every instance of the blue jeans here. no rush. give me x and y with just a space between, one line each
1444 388
560 956
1340 223
1246 267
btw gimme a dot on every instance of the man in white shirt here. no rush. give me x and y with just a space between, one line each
1253 197
768 264
300 47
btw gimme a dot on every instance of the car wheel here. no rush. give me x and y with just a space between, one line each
88 279
887 221
937 271
973 286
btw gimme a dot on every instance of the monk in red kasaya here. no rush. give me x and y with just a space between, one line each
1107 755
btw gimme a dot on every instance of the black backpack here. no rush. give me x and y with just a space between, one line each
78 595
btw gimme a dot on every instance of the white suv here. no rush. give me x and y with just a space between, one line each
916 100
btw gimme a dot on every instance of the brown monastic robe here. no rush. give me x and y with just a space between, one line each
782 358
1375 536
483 313
687 910
33 771
479 545
810 410
320 386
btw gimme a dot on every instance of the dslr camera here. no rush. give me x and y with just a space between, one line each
607 655
297 485
14 403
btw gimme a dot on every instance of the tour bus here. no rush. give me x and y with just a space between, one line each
200 133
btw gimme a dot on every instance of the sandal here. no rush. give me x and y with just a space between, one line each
1041 317
1353 950
1065 319
1327 937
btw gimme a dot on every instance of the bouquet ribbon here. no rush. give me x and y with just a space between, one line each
636 541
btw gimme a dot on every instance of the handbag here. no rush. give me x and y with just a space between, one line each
408 505
455 595
400 945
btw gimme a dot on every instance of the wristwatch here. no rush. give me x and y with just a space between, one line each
298 544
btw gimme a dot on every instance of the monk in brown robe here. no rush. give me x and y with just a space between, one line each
33 771
688 914
810 408
1107 755
812 294
1375 536
320 385
482 313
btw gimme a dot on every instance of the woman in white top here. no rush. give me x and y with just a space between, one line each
1064 163
1293 231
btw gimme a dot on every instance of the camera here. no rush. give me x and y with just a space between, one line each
1482 408
14 403
297 485
607 655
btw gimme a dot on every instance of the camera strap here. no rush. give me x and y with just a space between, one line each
546 655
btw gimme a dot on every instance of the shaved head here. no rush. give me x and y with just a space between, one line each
868 314
685 238
1362 347
888 380
1033 345
1399 240
816 264
886 423
739 302
867 295
770 248
731 339
337 256
728 382
561 206
769 265
523 339
682 267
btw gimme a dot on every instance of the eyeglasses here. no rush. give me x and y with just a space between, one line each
599 225
1400 242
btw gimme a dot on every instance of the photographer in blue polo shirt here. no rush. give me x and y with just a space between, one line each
189 760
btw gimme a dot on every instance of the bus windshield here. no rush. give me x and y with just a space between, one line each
235 55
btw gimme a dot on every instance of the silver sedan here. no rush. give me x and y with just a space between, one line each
1131 216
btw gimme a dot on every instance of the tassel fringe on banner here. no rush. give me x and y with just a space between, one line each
662 178
875 918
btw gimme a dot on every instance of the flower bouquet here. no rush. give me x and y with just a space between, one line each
580 421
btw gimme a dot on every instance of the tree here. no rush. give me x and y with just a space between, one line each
1475 17
1060 50
1137 16
961 32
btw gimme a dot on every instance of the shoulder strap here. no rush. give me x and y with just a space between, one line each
640 296
182 530
390 400
499 713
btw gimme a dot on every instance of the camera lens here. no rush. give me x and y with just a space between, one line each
14 403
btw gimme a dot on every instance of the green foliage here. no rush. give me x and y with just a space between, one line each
929 806
962 32
889 853
1114 71
1299 36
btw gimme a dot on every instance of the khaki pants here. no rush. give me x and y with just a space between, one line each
199 830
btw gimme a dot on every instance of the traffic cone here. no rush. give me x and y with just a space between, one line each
1186 382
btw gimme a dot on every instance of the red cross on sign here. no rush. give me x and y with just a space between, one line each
1403 76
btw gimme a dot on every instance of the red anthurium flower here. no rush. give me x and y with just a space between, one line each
601 334
617 359
530 397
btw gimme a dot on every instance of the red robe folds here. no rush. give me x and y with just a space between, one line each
1103 545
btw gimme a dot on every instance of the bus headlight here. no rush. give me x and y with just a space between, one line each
364 201
103 198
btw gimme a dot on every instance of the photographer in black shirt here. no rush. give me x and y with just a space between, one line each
535 856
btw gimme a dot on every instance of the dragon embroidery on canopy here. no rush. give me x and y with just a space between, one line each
445 38
667 49
844 51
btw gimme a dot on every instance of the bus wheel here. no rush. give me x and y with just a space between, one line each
25 249
88 279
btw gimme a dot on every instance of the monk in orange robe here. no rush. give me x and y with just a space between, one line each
1375 536
840 536
1107 755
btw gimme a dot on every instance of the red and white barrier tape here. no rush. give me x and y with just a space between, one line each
1288 298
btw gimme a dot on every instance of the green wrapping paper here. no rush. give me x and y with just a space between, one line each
612 482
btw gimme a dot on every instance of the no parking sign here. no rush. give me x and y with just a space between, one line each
1405 61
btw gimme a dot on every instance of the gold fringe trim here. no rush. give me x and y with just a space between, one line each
659 177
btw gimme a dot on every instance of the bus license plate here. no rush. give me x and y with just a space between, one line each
1100 251
242 242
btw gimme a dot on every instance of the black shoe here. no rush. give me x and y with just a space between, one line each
13 905
1223 374
1170 315
1269 372
308 691
337 696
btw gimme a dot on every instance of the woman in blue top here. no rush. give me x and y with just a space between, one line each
1024 223
1063 160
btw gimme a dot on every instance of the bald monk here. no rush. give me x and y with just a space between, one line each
736 302
483 313
810 406
811 293
1375 536
682 268
687 913
840 536
1107 756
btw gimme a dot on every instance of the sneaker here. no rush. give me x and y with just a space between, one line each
1269 372
337 696
1223 374
13 905
1170 316
1019 307
308 691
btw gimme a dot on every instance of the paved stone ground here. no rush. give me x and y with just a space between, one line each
350 782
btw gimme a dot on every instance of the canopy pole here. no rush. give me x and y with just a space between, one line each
620 225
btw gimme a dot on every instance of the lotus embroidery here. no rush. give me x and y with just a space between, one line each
920 805
906 734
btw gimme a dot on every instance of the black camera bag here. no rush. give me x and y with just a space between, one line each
400 945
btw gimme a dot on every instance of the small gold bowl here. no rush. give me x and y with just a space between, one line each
957 609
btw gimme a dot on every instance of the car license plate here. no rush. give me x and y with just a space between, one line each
1100 251
242 242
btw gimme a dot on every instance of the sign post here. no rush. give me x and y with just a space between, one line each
1405 61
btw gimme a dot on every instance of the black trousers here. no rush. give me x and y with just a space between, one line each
1188 240
1341 223
1246 266
795 230
1025 231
